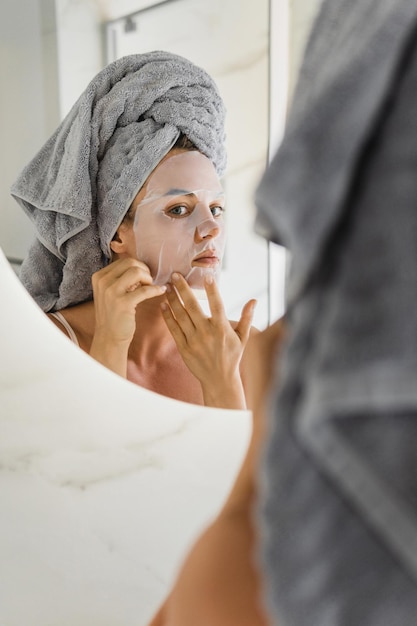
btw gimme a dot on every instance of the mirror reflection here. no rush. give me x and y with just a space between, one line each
209 36
105 484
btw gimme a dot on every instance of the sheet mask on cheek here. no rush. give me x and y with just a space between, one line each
178 227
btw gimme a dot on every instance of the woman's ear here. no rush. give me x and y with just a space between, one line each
118 244
122 240
115 244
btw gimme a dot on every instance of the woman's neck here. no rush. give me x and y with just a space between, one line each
152 339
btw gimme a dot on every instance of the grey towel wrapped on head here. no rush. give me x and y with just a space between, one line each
338 501
80 185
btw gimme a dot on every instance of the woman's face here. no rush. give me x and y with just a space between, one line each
179 219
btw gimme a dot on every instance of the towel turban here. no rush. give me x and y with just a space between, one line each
81 183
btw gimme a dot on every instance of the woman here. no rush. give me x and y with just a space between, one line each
128 206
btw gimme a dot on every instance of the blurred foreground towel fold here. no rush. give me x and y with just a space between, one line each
338 503
79 186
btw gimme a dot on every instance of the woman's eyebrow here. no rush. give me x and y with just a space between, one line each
177 192
186 192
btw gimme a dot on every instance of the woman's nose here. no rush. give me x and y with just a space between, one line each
208 229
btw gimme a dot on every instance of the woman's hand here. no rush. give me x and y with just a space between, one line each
211 348
118 288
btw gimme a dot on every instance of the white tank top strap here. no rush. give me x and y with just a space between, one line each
58 316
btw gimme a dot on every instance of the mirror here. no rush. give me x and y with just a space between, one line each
105 485
57 47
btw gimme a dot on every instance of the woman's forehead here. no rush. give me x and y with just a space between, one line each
183 172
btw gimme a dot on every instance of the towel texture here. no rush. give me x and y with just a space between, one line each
79 186
338 504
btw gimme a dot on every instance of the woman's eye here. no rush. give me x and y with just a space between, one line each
217 210
178 211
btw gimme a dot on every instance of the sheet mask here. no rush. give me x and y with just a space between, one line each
179 223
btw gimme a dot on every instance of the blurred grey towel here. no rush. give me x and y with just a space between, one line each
338 503
81 183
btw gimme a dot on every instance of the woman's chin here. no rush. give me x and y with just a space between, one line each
197 276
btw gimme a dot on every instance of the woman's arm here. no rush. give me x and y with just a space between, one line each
220 583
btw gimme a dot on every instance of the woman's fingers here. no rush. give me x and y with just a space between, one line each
215 301
189 316
118 289
184 303
131 280
128 279
127 274
116 269
244 325
173 326
145 292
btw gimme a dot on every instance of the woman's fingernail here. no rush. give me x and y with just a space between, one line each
209 280
175 277
164 288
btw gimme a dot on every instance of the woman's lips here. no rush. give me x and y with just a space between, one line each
205 259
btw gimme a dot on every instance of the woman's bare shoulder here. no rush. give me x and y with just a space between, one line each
78 318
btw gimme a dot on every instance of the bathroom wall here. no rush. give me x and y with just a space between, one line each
29 109
289 25
39 84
